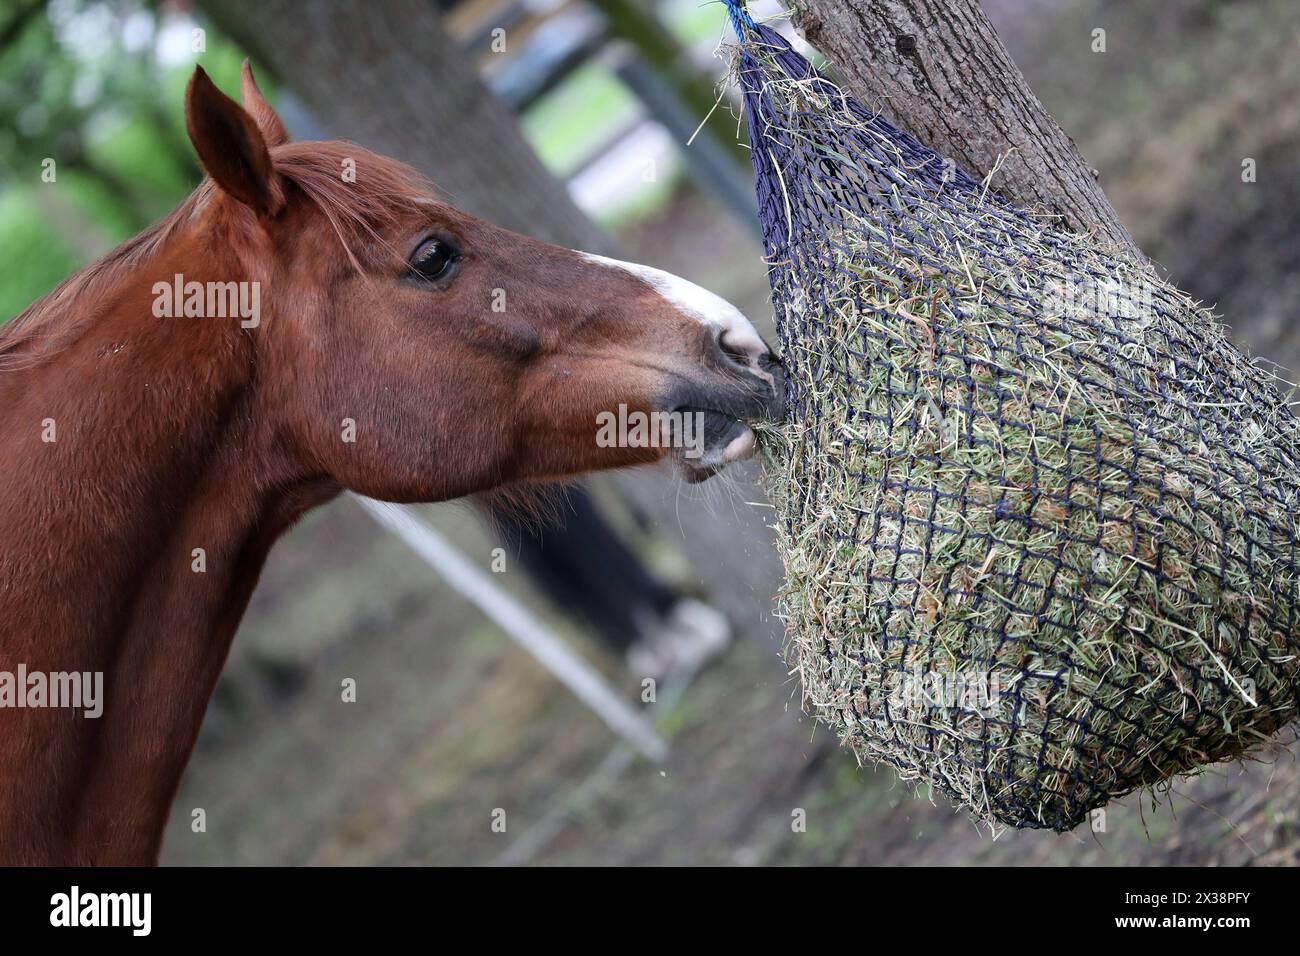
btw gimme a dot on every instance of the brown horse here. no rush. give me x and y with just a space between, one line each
310 319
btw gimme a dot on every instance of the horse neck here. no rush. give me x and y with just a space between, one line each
133 541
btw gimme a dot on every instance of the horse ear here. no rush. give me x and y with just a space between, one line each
255 103
230 146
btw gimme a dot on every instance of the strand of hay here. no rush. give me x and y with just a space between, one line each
1037 513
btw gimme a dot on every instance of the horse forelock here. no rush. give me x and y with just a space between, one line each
360 193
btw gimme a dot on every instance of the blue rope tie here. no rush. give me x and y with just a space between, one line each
741 21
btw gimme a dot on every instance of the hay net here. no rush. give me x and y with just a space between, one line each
1037 513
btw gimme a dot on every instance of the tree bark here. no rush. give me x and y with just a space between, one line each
388 76
938 69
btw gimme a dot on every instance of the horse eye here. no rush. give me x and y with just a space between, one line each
433 259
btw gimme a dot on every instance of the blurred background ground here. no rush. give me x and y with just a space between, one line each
452 721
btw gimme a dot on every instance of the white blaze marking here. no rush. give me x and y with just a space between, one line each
697 302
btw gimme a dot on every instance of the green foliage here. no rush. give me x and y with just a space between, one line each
87 85
35 257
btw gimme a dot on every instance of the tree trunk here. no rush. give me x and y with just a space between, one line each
367 70
938 69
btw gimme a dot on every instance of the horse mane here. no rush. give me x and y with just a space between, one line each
358 209
96 277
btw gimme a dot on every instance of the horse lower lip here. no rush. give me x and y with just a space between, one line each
740 447
723 441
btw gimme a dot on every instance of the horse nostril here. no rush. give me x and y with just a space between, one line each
742 345
736 356
762 371
738 351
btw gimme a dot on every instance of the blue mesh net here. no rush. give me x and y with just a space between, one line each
1037 512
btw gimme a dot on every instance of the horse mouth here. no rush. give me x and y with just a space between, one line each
713 414
718 429
714 441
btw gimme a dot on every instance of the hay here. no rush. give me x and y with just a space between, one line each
1037 513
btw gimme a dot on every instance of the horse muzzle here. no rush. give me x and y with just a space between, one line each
716 409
